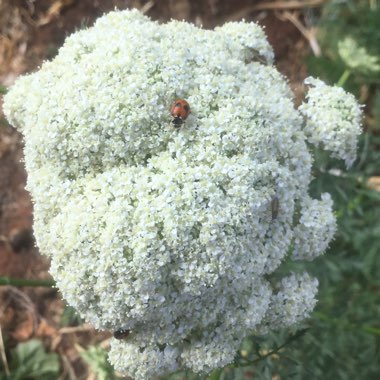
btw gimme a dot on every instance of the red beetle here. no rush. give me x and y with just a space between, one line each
180 110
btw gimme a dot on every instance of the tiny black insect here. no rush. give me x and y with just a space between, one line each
275 205
121 334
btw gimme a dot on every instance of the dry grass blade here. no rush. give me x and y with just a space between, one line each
147 7
68 367
275 5
75 329
3 356
309 34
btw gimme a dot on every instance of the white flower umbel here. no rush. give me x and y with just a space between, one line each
316 228
333 120
292 301
174 234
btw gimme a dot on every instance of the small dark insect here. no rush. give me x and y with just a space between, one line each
180 110
275 206
121 334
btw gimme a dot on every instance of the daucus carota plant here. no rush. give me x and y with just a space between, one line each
175 234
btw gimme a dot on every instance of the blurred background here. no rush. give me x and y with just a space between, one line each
338 41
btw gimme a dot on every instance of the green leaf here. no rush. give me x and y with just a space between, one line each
215 375
30 361
96 358
70 317
3 89
357 58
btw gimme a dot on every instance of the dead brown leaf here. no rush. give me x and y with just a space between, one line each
25 329
54 11
46 330
374 183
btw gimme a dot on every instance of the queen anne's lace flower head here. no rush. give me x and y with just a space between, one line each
174 234
333 120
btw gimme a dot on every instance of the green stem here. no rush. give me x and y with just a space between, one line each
26 282
342 80
292 338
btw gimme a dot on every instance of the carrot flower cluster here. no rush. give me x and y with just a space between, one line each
176 234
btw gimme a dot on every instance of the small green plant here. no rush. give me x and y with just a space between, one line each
350 39
30 361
